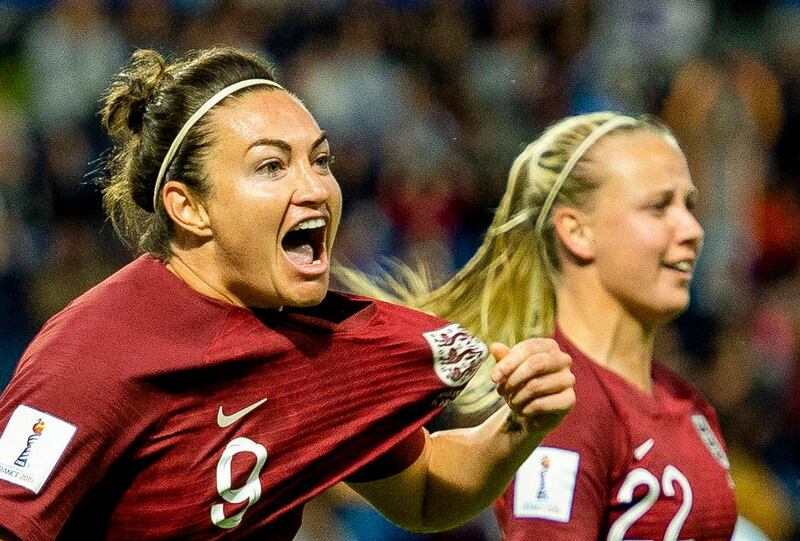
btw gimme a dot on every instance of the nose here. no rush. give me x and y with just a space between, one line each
312 189
690 231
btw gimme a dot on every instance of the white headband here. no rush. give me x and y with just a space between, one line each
591 139
211 102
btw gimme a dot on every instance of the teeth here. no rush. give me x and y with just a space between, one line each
311 223
684 266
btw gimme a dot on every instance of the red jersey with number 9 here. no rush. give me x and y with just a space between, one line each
624 465
147 411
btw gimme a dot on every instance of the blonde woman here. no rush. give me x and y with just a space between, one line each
595 243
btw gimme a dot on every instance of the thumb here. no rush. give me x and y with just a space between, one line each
499 350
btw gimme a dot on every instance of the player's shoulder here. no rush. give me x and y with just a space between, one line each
455 352
134 313
674 385
399 316
122 294
595 407
444 337
595 418
92 314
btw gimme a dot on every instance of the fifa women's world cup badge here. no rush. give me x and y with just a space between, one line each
457 354
31 443
38 428
545 484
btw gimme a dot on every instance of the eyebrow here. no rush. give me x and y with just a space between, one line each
283 145
321 139
691 192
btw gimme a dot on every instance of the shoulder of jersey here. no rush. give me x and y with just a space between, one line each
129 307
676 384
456 353
404 316
112 298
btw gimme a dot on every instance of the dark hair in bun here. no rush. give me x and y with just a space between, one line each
144 108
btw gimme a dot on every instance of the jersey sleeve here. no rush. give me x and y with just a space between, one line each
414 366
62 423
561 491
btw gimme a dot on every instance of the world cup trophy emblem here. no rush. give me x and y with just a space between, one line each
542 494
38 428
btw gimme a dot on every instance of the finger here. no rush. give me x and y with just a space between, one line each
512 358
536 366
549 384
549 410
499 351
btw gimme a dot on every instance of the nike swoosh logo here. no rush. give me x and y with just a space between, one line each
227 420
643 449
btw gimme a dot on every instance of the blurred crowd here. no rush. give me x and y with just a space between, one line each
426 103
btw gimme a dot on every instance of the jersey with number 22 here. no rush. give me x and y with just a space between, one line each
624 465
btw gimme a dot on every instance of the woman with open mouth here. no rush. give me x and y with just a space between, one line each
213 386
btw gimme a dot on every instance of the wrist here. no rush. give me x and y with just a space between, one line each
522 427
512 423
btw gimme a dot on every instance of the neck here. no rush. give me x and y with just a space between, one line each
600 327
190 266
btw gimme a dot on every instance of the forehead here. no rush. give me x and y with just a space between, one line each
641 160
263 114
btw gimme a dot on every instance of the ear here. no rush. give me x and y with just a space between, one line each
575 233
186 209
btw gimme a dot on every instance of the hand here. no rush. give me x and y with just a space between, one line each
535 379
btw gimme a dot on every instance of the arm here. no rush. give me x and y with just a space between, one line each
460 472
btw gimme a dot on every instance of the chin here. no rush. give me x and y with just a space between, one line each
306 295
673 314
660 313
306 302
668 313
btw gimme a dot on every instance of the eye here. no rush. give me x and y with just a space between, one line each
660 206
270 167
324 161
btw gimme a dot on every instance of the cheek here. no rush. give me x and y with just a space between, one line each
263 211
336 196
335 208
249 225
631 249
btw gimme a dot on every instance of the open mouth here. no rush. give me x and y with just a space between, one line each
304 244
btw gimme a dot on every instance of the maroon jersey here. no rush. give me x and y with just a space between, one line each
624 465
145 410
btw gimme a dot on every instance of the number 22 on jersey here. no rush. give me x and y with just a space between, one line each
641 477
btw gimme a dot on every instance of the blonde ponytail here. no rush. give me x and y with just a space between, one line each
506 292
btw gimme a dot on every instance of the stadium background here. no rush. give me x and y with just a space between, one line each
427 103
